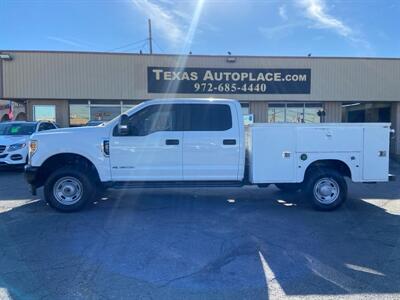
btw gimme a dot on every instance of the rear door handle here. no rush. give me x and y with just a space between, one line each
171 142
229 142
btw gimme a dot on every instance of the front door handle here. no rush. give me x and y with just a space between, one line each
171 142
229 142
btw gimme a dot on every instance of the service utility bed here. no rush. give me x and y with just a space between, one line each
281 152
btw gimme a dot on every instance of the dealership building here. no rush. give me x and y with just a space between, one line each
72 88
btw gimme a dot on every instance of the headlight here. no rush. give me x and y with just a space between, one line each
33 145
15 147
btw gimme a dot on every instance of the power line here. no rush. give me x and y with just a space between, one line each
128 45
157 45
137 47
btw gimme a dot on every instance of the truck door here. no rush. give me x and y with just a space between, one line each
152 149
211 142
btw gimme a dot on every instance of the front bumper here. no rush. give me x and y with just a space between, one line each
32 177
14 158
31 174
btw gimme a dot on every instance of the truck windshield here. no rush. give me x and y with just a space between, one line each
17 129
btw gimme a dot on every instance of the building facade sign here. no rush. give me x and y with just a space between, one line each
228 81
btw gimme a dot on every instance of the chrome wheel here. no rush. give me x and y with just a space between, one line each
68 190
326 190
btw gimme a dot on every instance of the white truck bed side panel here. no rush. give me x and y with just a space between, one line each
376 162
272 154
329 139
352 159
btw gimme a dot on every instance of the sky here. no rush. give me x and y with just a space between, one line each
242 27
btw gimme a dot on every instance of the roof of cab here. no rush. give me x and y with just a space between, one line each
191 100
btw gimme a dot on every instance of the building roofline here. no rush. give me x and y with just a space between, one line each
199 55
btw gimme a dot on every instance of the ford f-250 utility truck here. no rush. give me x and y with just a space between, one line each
203 142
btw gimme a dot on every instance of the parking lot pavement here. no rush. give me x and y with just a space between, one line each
200 244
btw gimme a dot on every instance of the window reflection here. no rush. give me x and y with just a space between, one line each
44 113
104 113
276 113
294 112
311 113
245 108
125 108
81 112
78 114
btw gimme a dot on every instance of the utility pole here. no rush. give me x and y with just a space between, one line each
150 39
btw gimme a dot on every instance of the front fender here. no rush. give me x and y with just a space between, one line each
88 146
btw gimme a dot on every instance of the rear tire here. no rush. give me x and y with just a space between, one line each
325 188
69 189
288 187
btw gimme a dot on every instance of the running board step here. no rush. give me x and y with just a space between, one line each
174 184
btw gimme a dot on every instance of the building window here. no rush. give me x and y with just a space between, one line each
276 112
44 113
311 114
357 112
125 108
78 114
104 112
294 112
245 108
81 112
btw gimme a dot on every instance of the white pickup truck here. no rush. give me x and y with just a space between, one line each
203 142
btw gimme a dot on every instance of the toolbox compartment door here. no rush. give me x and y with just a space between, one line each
376 154
273 154
329 139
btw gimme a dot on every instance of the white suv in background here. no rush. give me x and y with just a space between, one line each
14 138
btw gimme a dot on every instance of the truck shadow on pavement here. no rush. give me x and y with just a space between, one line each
189 244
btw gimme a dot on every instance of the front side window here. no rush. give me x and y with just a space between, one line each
46 126
152 119
208 117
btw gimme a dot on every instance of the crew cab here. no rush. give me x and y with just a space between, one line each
14 138
203 142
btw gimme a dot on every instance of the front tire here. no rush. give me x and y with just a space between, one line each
68 189
325 188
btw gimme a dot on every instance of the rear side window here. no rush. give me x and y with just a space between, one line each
208 117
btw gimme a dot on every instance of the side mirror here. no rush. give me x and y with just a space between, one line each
123 125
